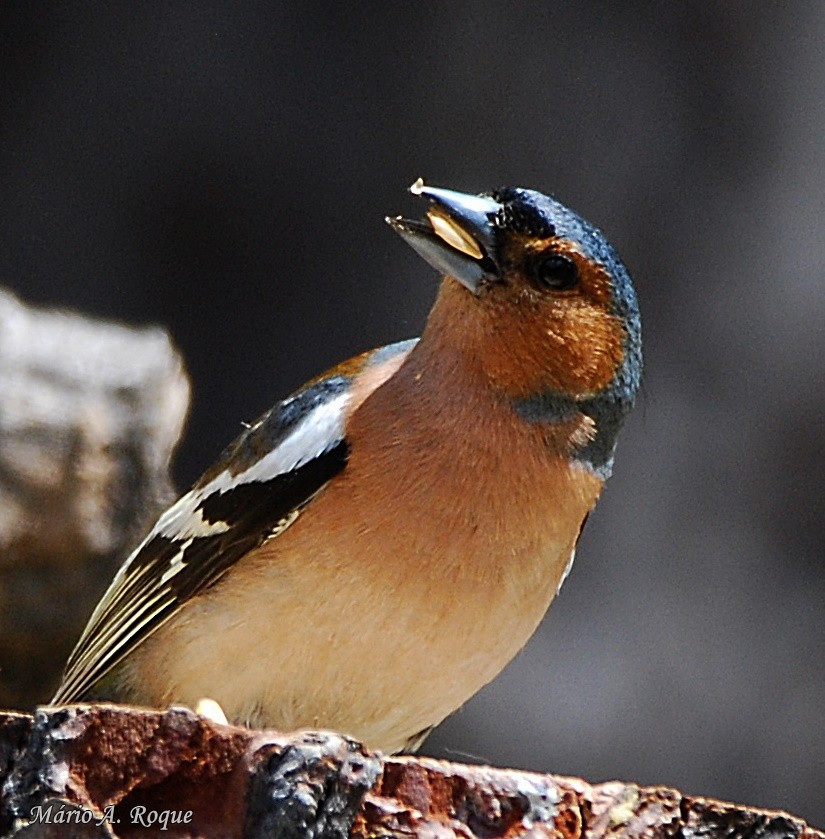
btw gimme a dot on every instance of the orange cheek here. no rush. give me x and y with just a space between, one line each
575 349
569 342
524 343
592 350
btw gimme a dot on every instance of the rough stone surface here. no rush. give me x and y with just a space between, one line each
89 415
109 771
311 788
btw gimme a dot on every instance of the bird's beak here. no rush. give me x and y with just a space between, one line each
458 236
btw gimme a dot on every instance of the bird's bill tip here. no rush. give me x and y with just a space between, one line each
459 204
457 235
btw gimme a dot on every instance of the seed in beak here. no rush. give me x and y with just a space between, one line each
447 230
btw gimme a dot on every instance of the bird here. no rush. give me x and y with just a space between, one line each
379 545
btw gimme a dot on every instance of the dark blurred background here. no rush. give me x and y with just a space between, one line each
223 170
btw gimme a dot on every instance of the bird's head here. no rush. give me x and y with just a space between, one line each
540 299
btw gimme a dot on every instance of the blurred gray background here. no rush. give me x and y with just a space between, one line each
223 170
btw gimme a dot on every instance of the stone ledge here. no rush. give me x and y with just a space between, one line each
111 771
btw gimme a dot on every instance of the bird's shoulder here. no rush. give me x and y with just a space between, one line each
256 489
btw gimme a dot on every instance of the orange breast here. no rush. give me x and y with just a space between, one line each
409 582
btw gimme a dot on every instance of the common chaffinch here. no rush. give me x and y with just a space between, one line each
376 547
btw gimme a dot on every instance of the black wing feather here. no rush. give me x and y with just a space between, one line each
220 520
166 571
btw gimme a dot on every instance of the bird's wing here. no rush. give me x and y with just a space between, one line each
255 491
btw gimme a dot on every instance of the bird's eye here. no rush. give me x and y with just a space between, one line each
557 272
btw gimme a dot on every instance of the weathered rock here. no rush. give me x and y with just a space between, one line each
109 771
89 415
